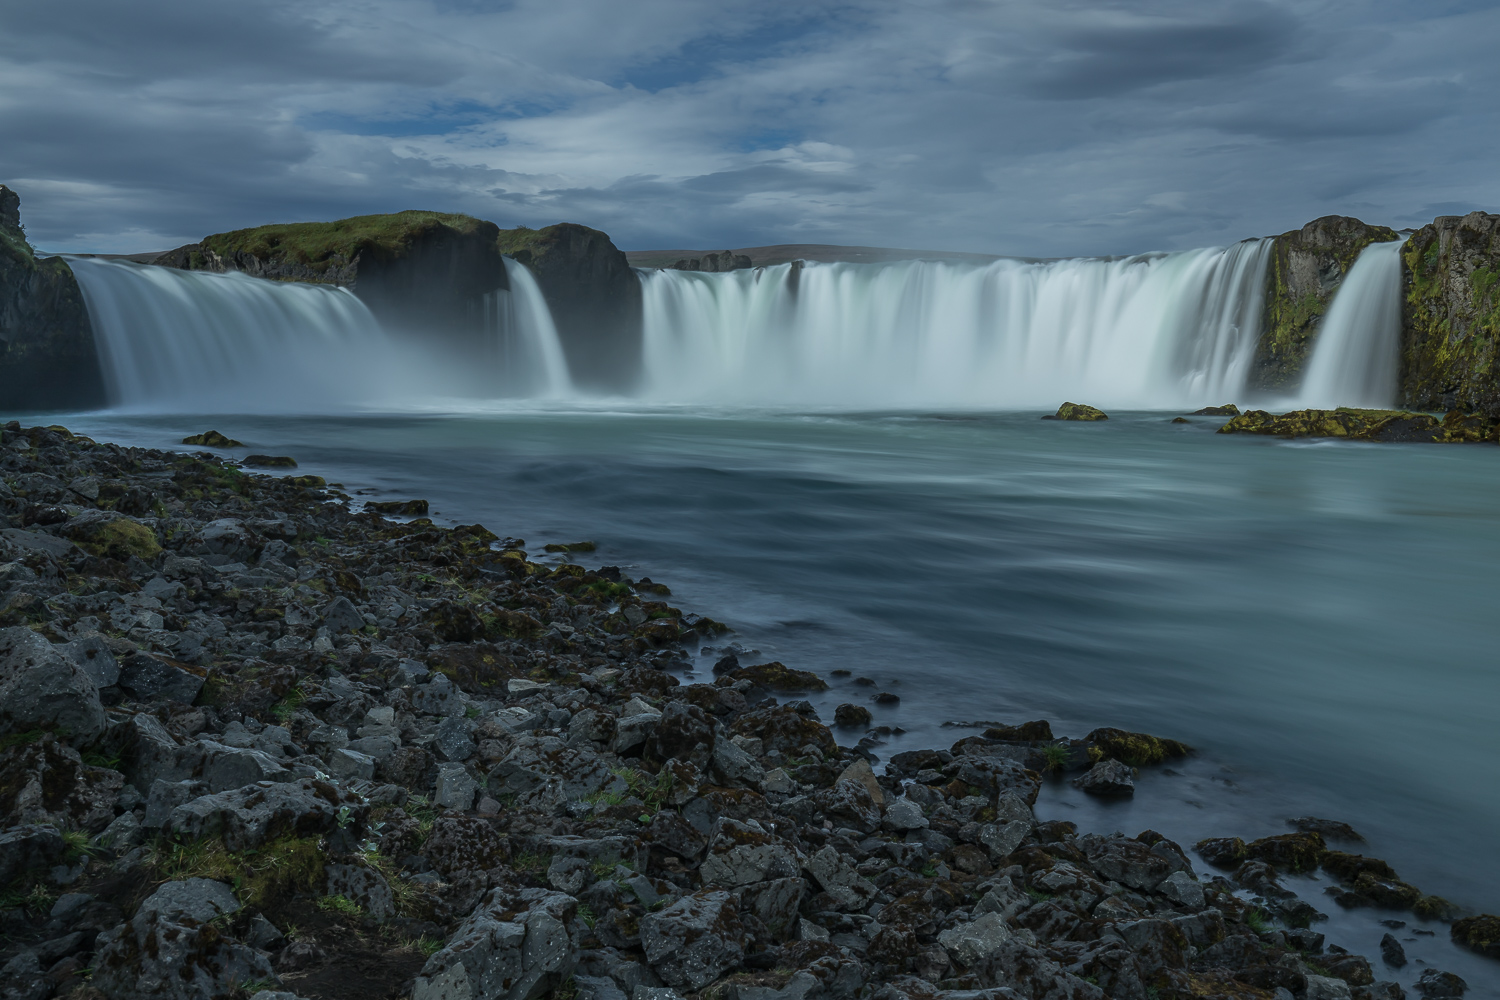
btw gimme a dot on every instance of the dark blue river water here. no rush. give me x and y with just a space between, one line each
1321 620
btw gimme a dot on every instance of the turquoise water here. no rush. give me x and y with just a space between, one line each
1318 618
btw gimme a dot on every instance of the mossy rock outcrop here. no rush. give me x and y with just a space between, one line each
47 357
1367 425
595 298
1077 411
1451 320
1135 749
1306 268
426 272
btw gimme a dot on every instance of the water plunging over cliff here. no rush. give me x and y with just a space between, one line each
185 340
1153 330
1356 358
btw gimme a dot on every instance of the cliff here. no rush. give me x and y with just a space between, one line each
594 296
1451 318
1307 266
47 358
417 270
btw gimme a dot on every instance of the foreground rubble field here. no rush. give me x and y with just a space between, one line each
254 743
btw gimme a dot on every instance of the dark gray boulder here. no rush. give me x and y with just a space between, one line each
43 688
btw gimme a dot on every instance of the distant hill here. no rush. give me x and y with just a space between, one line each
828 253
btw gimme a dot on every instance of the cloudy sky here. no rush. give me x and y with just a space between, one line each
1037 127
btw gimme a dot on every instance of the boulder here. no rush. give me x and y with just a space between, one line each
514 946
455 789
1077 411
26 848
173 947
695 940
93 654
976 940
107 533
43 688
465 843
249 816
835 873
1130 862
775 904
849 804
1108 778
48 784
150 677
1183 889
742 853
340 615
363 886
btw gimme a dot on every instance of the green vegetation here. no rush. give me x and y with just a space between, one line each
1257 921
341 905
258 875
1057 757
320 245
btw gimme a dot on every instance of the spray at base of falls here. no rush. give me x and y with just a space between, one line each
1149 331
1357 355
191 341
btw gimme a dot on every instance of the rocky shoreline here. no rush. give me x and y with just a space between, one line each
254 741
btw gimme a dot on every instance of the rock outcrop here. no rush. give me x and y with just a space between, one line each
47 358
1307 266
725 260
422 271
1452 315
595 298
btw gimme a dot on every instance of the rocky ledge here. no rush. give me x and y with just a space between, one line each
256 742
1456 427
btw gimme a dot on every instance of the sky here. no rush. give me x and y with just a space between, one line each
1026 127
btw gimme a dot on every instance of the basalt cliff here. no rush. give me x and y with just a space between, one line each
47 357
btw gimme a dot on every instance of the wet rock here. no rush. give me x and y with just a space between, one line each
1328 829
1077 411
212 439
853 717
514 946
1227 410
1391 951
695 940
1108 778
249 816
173 948
1135 749
1222 852
1293 851
1481 934
1130 862
42 688
1437 985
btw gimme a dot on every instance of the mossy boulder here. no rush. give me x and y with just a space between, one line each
778 676
47 354
1298 852
1451 321
401 508
1481 934
595 298
1368 425
269 461
1227 410
1223 852
1027 732
1077 411
1135 749
106 533
212 439
1307 267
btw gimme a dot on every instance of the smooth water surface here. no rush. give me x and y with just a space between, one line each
1318 618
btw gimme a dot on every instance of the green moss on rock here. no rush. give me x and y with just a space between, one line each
1367 425
1077 411
1306 268
1135 749
1452 315
1481 934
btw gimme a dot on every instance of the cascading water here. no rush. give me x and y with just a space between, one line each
1153 330
529 356
1356 356
191 341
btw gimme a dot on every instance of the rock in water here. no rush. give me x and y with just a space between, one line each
1077 411
1107 778
212 439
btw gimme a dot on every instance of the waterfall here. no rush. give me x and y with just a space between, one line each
529 355
1151 331
176 341
1356 355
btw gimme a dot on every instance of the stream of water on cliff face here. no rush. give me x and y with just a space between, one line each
1356 355
1317 618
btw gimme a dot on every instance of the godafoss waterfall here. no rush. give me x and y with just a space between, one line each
844 464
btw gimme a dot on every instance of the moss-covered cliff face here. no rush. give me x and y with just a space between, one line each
423 271
1307 266
1451 322
594 296
47 358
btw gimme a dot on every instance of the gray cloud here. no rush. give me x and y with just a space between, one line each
1008 126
